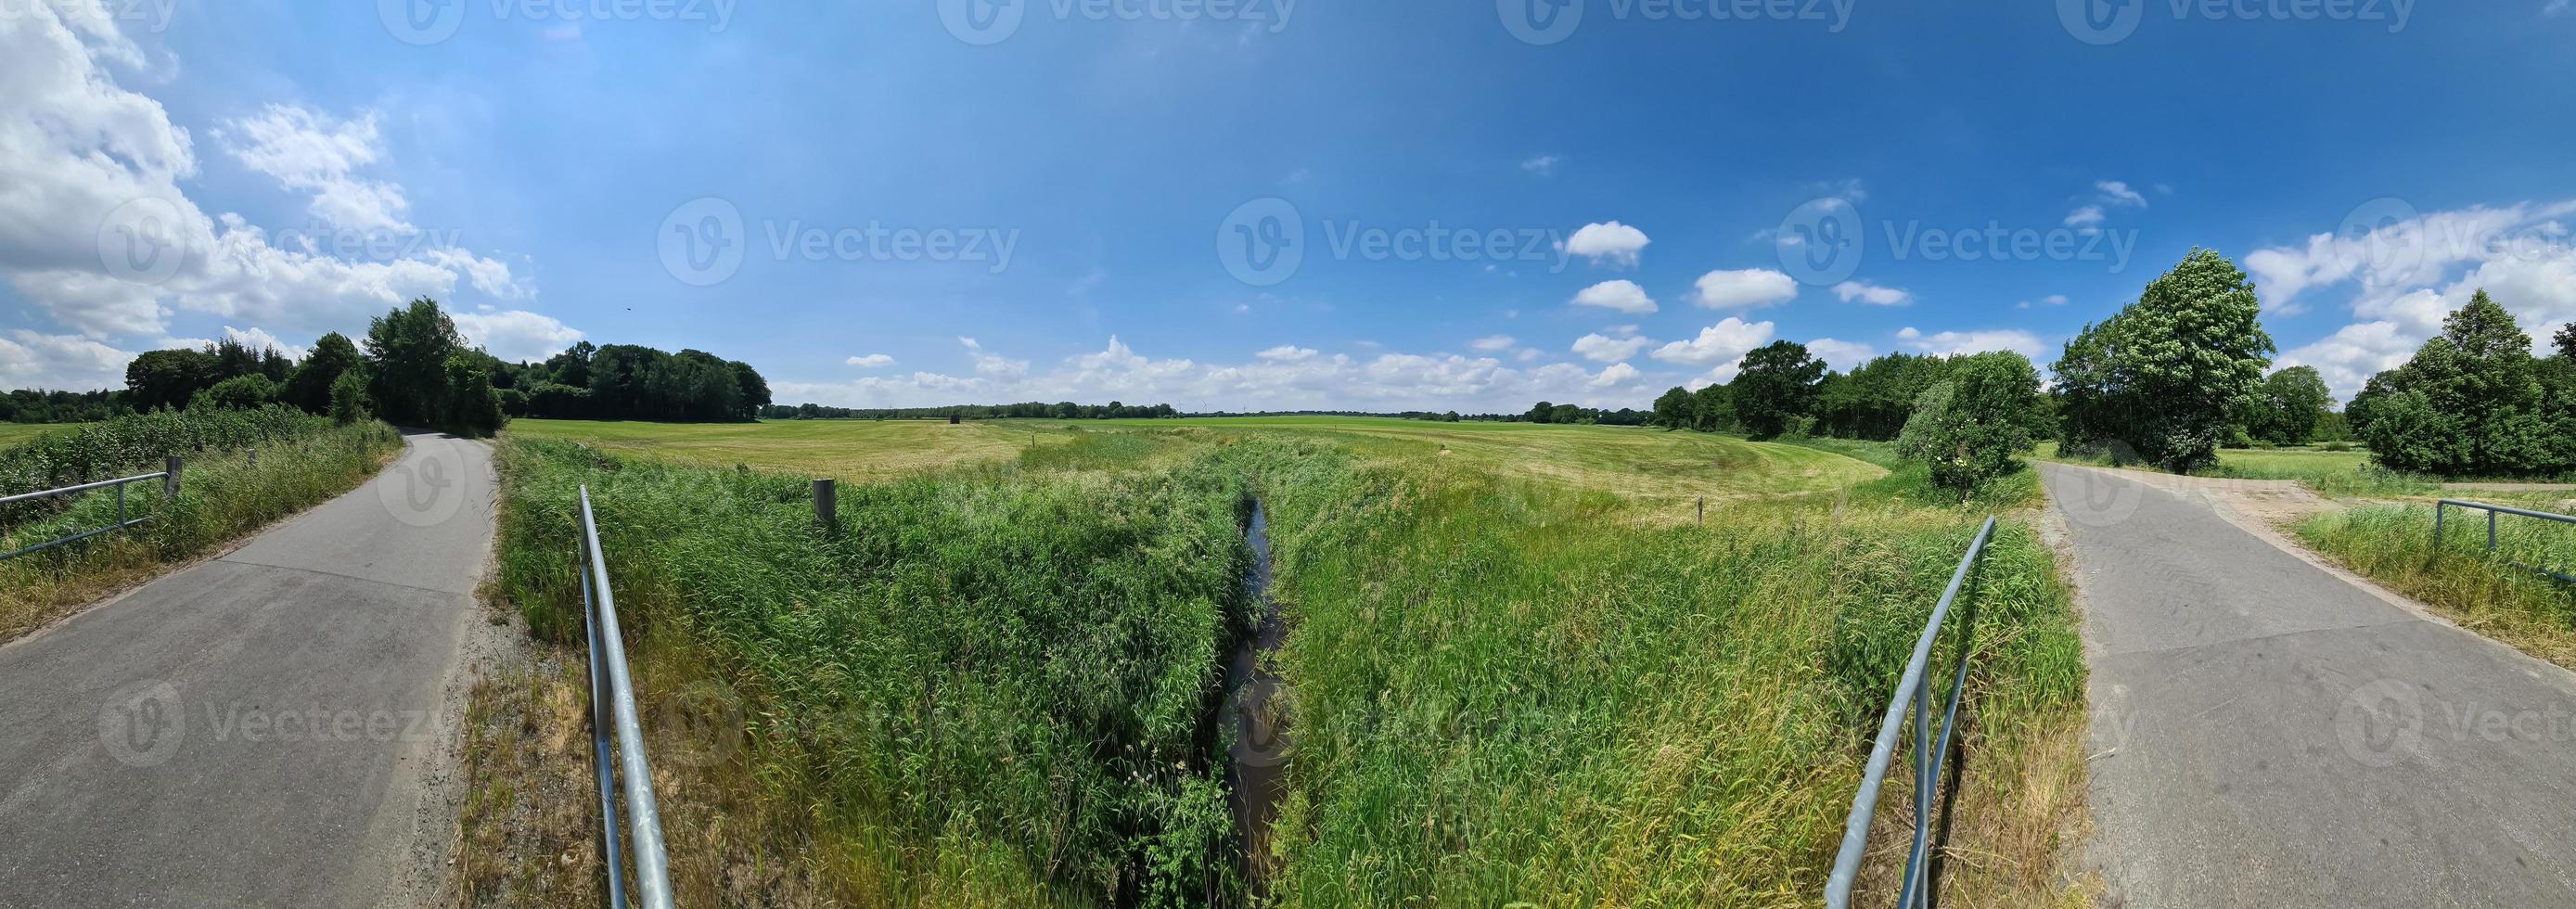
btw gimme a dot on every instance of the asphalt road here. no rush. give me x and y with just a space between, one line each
2269 733
253 730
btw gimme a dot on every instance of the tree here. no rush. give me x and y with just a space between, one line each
407 353
1542 412
247 392
2470 402
349 398
1970 426
1712 409
1776 386
2288 407
167 378
1673 410
309 386
474 408
2565 341
2167 374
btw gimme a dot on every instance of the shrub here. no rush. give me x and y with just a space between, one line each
238 393
348 398
1970 426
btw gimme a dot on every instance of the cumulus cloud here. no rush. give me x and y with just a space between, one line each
515 335
1750 288
260 339
97 237
1491 343
1605 349
1872 294
872 361
2115 192
1622 295
1388 381
60 362
991 365
1727 340
1612 242
1287 353
1843 355
1953 343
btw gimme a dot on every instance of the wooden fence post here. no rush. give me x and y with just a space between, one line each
1703 510
170 482
826 505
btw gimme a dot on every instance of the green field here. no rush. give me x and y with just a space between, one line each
1517 672
12 434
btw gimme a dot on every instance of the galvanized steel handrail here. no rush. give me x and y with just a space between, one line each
1927 761
169 486
2492 511
613 690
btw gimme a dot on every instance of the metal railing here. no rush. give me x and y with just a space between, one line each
169 477
1927 759
612 695
2492 511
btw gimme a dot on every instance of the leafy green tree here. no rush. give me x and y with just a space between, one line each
2470 402
407 353
1712 410
2166 375
167 378
2288 407
309 386
1673 409
349 398
1970 427
1542 412
1776 386
2565 341
247 392
474 408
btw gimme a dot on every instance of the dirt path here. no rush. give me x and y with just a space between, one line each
2269 732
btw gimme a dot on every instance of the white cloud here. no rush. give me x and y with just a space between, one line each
1613 242
1750 288
1953 343
515 335
1390 381
1005 367
260 339
1605 349
1872 294
2088 216
2115 192
60 362
1543 165
314 153
1843 355
1622 295
1287 353
1727 340
1849 188
2354 353
1491 343
96 236
872 361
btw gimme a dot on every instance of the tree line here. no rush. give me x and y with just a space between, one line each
1033 410
412 367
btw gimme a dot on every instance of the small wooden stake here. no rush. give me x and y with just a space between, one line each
826 505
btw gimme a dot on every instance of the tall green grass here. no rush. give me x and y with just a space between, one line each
222 497
136 443
1502 699
991 682
2482 591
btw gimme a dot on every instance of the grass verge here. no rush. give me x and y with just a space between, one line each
2459 578
222 498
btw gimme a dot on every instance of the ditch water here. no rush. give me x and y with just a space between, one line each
1260 752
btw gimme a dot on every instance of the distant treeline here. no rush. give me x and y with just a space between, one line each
1064 410
37 406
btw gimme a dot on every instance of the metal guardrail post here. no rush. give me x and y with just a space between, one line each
608 659
1910 687
170 477
827 505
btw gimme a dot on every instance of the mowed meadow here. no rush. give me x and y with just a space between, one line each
1515 668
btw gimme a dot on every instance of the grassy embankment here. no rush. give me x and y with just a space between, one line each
2483 593
1506 685
303 461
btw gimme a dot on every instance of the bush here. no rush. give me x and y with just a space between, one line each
137 443
1970 426
349 398
237 393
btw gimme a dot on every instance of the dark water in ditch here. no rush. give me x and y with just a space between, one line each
1260 750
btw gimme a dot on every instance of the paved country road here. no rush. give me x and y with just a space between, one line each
257 729
2270 733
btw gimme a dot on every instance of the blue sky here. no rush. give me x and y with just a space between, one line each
570 171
